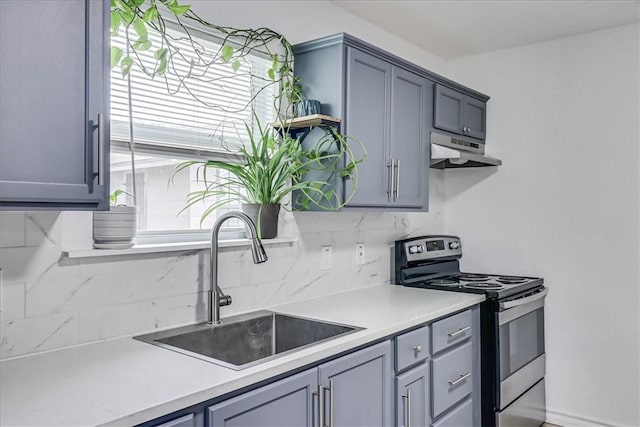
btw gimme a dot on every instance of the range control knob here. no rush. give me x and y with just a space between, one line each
413 249
454 245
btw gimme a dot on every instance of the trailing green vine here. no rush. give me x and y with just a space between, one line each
144 17
273 157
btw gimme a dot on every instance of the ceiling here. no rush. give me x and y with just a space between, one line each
456 28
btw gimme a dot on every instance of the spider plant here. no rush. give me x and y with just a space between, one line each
273 167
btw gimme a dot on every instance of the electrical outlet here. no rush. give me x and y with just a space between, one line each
325 261
360 256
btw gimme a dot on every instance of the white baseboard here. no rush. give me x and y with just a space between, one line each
565 419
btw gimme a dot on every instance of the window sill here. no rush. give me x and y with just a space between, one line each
170 247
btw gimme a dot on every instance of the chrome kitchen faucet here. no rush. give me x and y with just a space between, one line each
217 298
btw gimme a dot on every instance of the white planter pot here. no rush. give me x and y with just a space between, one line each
115 228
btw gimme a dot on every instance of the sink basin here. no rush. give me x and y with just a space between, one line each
247 340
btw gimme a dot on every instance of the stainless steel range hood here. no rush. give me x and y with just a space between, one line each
456 152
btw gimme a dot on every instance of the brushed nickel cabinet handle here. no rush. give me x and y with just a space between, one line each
459 332
396 193
390 180
331 403
101 149
320 394
406 399
453 383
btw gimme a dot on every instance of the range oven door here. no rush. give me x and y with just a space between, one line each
522 353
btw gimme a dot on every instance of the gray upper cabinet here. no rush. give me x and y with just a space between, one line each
357 388
386 109
384 105
409 150
368 112
459 113
54 85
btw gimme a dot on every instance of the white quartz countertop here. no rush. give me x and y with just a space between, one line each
125 382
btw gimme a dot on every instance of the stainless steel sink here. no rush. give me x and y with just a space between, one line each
247 340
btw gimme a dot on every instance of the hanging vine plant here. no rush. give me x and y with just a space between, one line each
162 27
141 18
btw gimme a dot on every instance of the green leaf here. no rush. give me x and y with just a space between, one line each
138 3
116 19
179 10
271 73
116 55
235 65
141 28
141 45
162 67
226 53
150 14
161 54
125 65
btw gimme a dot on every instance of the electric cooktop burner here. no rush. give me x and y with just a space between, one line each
473 277
483 285
443 282
511 280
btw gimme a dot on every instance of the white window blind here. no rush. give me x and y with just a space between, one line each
177 118
212 103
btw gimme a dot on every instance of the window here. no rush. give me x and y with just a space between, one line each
176 120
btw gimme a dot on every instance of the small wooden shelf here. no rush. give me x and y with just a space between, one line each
301 126
307 121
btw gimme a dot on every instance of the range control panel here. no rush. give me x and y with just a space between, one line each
431 247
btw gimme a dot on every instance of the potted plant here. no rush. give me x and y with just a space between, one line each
274 166
115 228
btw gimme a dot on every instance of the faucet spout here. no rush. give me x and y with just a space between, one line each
217 298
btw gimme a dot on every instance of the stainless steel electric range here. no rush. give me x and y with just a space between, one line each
512 326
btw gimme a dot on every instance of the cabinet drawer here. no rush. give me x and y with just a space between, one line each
452 377
411 348
186 421
451 330
462 416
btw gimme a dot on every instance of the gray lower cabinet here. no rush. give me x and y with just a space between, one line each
285 403
412 397
188 420
54 81
354 390
357 388
459 113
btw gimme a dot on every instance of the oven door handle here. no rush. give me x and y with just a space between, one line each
523 301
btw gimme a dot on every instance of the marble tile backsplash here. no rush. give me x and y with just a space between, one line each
49 301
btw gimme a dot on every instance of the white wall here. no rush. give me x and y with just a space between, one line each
49 301
564 118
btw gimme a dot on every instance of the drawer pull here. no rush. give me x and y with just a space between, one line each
463 377
459 332
406 399
417 350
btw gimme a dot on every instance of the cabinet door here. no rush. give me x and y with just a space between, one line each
367 119
412 397
54 84
475 117
409 150
449 110
286 403
357 388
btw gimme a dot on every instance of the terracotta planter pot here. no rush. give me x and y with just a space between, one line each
115 228
265 217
